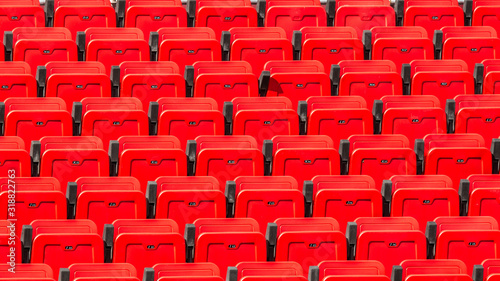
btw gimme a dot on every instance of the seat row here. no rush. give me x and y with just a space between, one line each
257 46
306 241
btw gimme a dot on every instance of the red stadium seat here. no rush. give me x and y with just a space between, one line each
144 244
20 14
104 200
149 15
186 199
22 270
265 199
257 46
329 45
369 79
296 80
293 15
363 15
343 268
74 81
473 44
399 44
345 198
97 270
482 193
426 267
169 270
256 269
17 81
222 81
483 13
112 46
185 46
222 15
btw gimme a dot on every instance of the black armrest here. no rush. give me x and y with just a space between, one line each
230 193
153 113
419 151
308 192
387 197
108 235
267 150
438 44
227 111
189 236
41 77
154 45
431 234
367 43
35 153
351 234
463 192
478 78
71 197
151 191
271 238
76 113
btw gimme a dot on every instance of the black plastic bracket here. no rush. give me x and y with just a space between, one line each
344 151
463 192
261 12
41 77
267 150
114 154
495 151
387 197
115 81
397 271
232 273
149 274
302 112
406 76
331 8
297 44
76 113
189 77
313 273
399 8
154 45
108 236
264 78
450 115
419 151
271 238
335 79
151 191
438 44
71 197
225 42
49 13
8 42
2 120
367 43
308 192
35 154
64 274
351 234
189 236
378 112
227 111
230 194
26 242
191 12
478 78
431 234
478 272
153 113
467 6
191 156
81 44
120 12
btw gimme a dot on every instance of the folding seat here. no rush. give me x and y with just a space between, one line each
469 101
421 197
148 81
73 81
226 157
274 278
144 243
24 119
184 45
225 242
69 160
171 270
221 81
363 15
306 241
17 80
256 45
387 240
398 44
357 278
381 162
20 13
489 267
342 268
345 198
347 146
431 15
112 46
22 270
487 76
38 198
444 79
456 161
329 45
270 147
292 15
60 243
478 120
469 242
80 15
186 199
106 199
426 267
480 194
410 119
260 119
77 271
435 277
221 15
264 199
149 16
188 122
258 269
304 161
111 118
338 117
38 46
369 79
473 44
296 80
147 158
14 158
482 13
